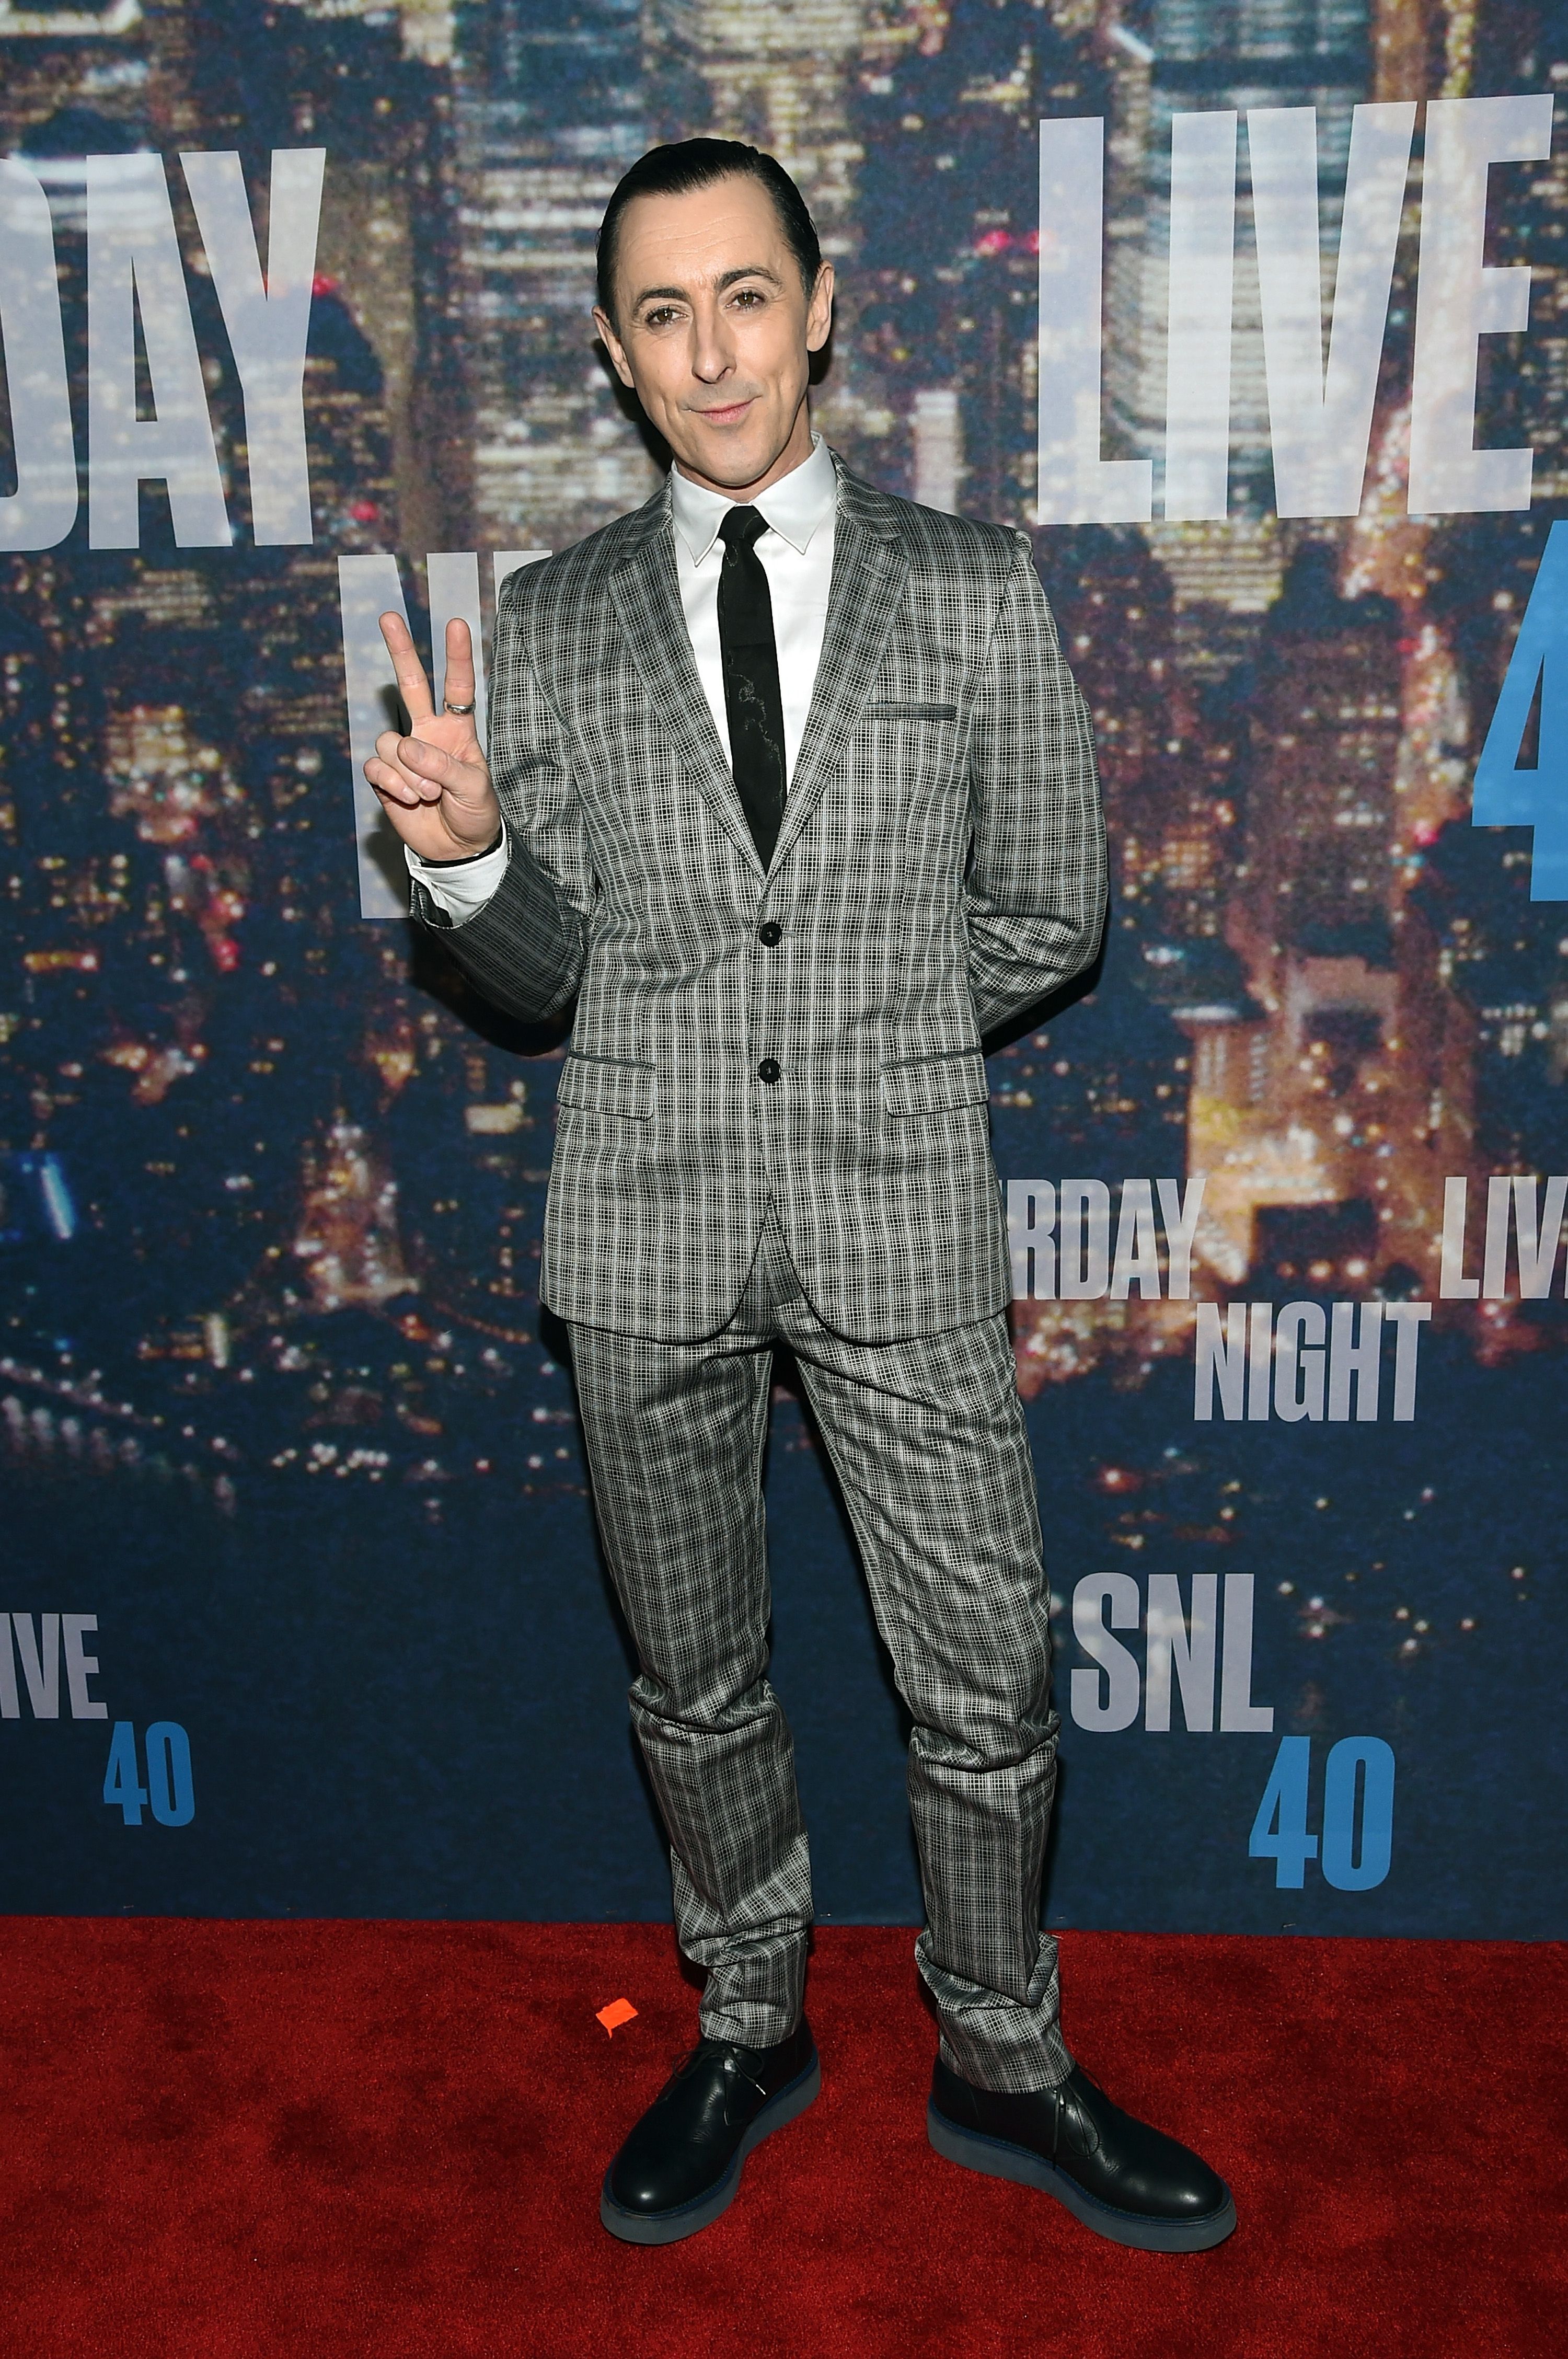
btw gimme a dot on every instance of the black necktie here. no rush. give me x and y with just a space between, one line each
750 659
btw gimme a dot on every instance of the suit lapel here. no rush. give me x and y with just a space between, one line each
870 568
647 595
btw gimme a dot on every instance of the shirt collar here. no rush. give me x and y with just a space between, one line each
796 506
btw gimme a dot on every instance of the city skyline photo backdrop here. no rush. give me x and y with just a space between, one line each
1254 315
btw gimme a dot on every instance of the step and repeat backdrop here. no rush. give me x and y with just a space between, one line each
1256 318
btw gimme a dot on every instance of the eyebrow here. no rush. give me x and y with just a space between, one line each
729 279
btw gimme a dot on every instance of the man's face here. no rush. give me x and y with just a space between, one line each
714 330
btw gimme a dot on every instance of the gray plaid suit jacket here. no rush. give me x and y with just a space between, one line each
941 868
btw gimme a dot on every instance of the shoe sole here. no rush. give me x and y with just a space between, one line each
997 2158
689 2219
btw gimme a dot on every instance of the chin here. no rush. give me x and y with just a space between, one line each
734 470
734 474
732 457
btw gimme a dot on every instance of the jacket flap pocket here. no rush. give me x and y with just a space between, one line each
935 1084
890 712
606 1085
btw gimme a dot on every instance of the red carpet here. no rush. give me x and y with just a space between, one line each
247 2141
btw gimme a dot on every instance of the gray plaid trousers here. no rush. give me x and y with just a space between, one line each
927 1438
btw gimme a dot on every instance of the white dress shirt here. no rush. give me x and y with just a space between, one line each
797 553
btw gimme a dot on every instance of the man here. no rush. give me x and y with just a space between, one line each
792 792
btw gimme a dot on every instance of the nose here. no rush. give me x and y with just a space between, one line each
712 355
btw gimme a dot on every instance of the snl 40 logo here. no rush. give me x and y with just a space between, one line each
1196 1656
40 1647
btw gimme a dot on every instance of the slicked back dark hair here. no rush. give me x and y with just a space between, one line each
688 164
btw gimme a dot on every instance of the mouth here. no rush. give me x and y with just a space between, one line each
725 413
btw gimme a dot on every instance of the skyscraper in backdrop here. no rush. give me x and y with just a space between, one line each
549 115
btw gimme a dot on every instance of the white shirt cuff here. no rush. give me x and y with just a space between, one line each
462 891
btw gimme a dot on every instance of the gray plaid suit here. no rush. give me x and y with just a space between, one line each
789 1139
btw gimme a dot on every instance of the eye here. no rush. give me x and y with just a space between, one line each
660 316
751 298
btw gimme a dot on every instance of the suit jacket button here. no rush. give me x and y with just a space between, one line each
768 1071
771 933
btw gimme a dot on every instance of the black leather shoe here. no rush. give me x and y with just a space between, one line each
681 2165
1120 2178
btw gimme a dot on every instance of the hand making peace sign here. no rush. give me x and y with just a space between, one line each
434 784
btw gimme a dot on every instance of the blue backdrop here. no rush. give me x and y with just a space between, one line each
304 1611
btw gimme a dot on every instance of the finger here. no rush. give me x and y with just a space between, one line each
459 687
410 782
437 772
395 775
423 758
390 742
412 686
389 787
427 761
395 784
412 754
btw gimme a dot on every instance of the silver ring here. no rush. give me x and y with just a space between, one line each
455 708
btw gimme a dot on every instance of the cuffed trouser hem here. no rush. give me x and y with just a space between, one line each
1013 2045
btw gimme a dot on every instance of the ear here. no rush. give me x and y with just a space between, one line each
613 345
818 311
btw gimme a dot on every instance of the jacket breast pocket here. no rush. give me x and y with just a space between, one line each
606 1085
922 1085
